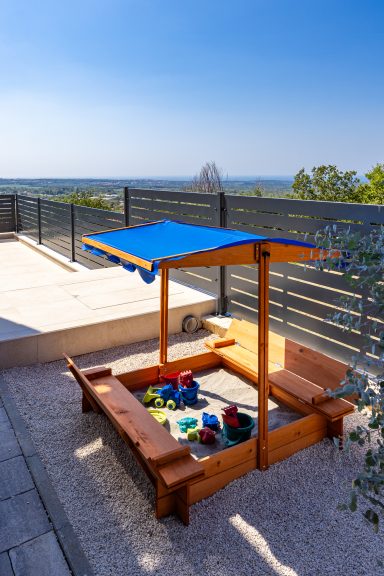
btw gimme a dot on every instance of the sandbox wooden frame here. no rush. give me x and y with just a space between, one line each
293 375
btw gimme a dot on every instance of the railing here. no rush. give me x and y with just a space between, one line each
300 298
7 213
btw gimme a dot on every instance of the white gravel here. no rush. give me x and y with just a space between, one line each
280 522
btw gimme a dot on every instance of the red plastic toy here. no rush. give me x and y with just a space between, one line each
207 436
173 378
186 379
230 417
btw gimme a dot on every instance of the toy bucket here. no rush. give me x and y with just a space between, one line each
236 435
189 395
172 378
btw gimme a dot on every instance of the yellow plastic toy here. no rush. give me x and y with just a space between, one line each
159 415
193 434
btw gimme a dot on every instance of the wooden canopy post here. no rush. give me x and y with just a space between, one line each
164 278
263 329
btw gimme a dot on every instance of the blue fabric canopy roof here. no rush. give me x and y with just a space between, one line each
168 240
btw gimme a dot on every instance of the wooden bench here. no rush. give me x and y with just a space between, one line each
295 372
169 465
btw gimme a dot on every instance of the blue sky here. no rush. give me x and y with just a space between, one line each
120 88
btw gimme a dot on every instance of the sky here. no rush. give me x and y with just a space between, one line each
151 88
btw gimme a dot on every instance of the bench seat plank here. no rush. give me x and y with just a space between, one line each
146 433
178 471
302 389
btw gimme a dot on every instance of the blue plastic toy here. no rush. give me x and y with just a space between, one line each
165 396
210 421
189 395
168 395
186 423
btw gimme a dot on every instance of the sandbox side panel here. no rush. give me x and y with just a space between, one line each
296 436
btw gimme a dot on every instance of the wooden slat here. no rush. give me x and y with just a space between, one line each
229 458
139 378
129 415
303 442
198 362
180 470
306 390
97 372
291 432
315 366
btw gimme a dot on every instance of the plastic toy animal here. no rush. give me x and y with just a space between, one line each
230 416
207 436
186 423
210 421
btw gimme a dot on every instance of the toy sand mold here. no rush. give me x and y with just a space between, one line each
293 374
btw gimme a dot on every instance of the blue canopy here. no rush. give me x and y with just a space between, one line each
156 242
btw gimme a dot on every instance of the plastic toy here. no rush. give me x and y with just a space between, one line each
210 421
186 423
173 378
235 435
186 379
189 395
159 415
166 395
230 417
207 436
193 434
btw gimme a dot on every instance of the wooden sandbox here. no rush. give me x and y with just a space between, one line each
179 479
293 374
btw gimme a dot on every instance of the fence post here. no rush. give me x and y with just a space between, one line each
126 206
39 220
73 247
16 208
222 222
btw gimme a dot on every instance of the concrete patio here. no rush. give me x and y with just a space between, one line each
46 309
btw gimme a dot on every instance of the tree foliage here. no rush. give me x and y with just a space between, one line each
361 257
373 190
209 180
86 198
326 183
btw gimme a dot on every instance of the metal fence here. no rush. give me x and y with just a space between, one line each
301 297
191 207
7 213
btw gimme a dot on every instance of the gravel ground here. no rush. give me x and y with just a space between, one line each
280 522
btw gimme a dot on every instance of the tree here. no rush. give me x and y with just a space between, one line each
257 191
327 183
373 190
210 179
362 259
85 198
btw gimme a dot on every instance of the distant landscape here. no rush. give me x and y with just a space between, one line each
112 190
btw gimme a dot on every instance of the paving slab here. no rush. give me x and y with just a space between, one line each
21 518
81 307
14 478
3 415
9 446
5 565
5 426
39 557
